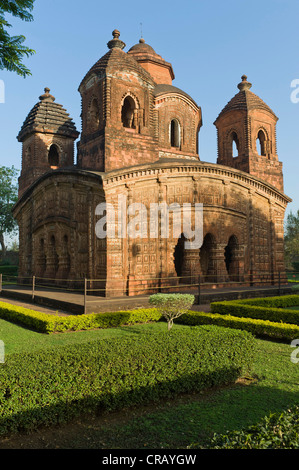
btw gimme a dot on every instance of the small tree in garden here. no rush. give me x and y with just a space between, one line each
172 306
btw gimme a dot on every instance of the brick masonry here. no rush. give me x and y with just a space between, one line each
139 140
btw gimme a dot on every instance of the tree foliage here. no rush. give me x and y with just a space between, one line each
292 238
8 197
172 306
12 48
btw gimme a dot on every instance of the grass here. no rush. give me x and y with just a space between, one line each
18 339
179 422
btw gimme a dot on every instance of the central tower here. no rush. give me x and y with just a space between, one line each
118 125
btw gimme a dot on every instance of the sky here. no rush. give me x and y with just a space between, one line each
210 44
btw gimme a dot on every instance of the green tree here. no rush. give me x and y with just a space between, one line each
172 306
292 238
8 197
12 49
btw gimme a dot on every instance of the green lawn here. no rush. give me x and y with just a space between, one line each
18 339
176 423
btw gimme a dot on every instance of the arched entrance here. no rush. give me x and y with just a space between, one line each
179 256
206 258
231 258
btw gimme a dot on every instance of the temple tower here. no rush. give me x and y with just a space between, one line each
246 130
48 134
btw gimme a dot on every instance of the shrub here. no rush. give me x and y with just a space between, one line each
275 431
262 309
260 328
54 385
47 323
172 306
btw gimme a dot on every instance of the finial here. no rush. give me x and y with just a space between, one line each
244 85
141 41
116 34
47 96
116 42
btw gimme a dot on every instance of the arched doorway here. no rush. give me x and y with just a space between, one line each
179 256
206 258
231 261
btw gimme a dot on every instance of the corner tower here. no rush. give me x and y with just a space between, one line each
48 134
246 133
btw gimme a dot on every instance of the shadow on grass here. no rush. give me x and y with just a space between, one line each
191 418
173 422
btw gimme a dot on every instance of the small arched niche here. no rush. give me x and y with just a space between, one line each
235 144
128 112
175 133
53 156
261 143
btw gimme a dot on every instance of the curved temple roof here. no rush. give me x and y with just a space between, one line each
48 116
246 100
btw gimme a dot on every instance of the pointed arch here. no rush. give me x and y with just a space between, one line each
53 156
235 144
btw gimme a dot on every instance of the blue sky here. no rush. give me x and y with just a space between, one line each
210 44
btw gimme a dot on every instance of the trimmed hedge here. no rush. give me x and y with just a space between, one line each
55 385
276 302
260 328
262 309
47 323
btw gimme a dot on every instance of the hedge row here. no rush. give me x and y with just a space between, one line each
260 328
262 309
47 323
277 302
53 386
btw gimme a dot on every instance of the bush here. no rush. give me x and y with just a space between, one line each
55 385
262 309
172 306
259 328
275 431
47 323
277 301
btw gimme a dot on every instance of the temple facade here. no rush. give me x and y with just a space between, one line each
138 147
